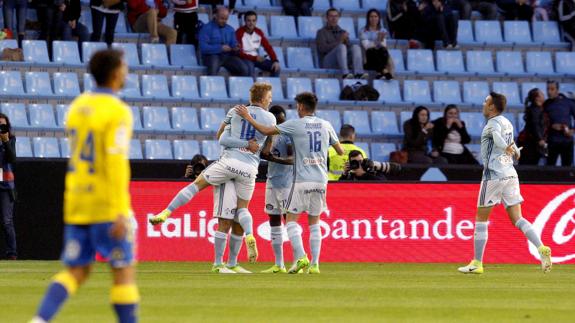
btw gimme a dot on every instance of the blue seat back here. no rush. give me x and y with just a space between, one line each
185 119
136 118
420 60
156 118
66 84
479 61
381 151
131 87
474 122
450 61
475 91
211 149
66 52
546 31
240 87
23 147
213 87
283 26
488 31
183 55
397 57
384 122
359 119
332 116
465 32
38 83
539 62
89 48
11 83
276 82
46 147
130 52
509 62
136 149
155 86
299 57
35 51
517 32
565 62
327 89
185 149
388 90
416 91
155 55
185 86
510 90
296 85
158 149
62 114
446 92
42 116
211 118
308 26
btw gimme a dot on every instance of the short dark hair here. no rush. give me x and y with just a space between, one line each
249 13
499 101
308 100
449 107
277 109
104 63
346 131
199 158
355 153
553 82
5 117
330 10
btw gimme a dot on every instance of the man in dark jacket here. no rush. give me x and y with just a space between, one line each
561 113
70 25
354 170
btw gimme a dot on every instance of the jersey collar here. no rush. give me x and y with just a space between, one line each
104 90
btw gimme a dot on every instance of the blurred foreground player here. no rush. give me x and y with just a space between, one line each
97 198
500 184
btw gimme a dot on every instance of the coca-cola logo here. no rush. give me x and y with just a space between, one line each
557 220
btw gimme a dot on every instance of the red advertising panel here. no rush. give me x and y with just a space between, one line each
371 223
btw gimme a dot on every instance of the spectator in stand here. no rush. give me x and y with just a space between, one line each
71 26
186 21
561 112
145 17
297 8
566 16
487 8
418 131
7 193
219 47
335 49
450 137
251 38
108 10
516 9
374 43
438 23
532 137
49 15
8 8
402 19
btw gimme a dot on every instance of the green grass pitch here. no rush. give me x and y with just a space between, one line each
356 292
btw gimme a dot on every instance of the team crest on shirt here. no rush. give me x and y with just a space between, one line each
269 207
72 249
117 254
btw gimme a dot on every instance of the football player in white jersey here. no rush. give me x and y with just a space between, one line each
500 184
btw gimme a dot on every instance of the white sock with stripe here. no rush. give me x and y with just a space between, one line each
315 243
480 239
277 245
219 247
527 229
183 197
294 234
235 246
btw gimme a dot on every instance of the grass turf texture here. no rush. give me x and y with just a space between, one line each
188 292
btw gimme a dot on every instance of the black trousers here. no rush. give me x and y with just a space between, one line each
186 25
7 217
563 149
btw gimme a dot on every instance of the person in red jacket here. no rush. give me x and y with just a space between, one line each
251 38
145 16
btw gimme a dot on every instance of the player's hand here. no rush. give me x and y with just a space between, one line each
260 59
510 150
253 146
119 229
242 111
189 171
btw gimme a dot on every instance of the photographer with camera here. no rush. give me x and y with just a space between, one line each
7 192
198 163
364 169
335 162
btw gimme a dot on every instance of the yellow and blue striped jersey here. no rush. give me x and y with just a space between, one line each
99 128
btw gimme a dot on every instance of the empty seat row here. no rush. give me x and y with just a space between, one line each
514 32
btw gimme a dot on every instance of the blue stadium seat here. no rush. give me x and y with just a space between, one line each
234 21
510 90
213 87
308 26
42 116
130 53
211 118
510 62
203 17
8 43
450 61
397 57
66 52
465 32
365 147
185 119
46 147
155 55
185 86
475 150
433 174
211 149
527 86
346 5
89 83
488 31
11 83
381 151
377 4
474 122
565 63
446 92
280 55
16 112
567 88
332 116
183 55
257 3
539 63
300 58
276 82
65 147
136 118
283 26
479 61
346 23
66 84
517 32
121 26
131 87
156 119
546 32
38 83
136 149
155 86
475 92
388 91
240 87
296 85
321 5
23 147
420 60
359 119
416 91
327 90
35 51
384 123
186 149
262 24
89 48
158 149
61 114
